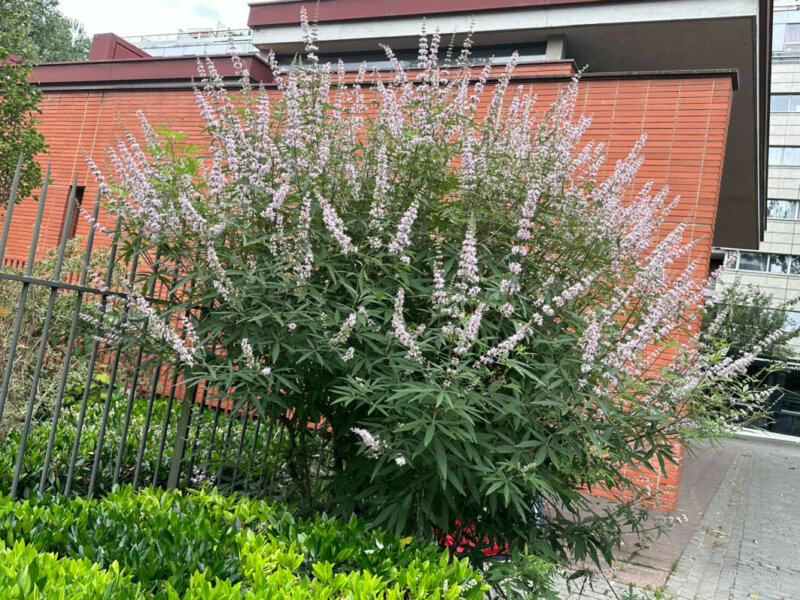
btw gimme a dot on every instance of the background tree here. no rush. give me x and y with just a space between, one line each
47 34
18 107
746 313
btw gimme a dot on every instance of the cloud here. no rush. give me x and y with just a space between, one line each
206 12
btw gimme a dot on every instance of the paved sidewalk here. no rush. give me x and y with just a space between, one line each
748 542
743 537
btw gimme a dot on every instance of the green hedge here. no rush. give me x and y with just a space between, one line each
205 545
26 574
213 456
33 459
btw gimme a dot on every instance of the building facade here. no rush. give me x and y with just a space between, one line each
775 266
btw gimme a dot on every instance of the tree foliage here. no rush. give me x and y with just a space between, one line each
46 34
18 109
745 314
481 313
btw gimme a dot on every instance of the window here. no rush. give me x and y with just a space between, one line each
791 156
793 320
408 58
792 43
782 209
778 263
784 103
782 264
753 261
76 211
779 103
784 156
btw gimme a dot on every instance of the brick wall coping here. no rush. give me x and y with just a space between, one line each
141 72
111 75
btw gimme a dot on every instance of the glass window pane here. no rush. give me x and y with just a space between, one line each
778 263
775 155
791 156
731 256
779 102
778 37
792 37
794 103
793 320
780 209
794 266
753 261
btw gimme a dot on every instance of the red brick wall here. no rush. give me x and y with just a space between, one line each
686 120
79 123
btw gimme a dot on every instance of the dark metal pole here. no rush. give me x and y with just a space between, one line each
68 350
165 428
134 383
189 397
23 296
12 198
246 410
146 427
37 371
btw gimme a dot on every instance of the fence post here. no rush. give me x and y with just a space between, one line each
12 198
181 435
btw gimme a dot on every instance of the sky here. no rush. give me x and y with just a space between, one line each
143 17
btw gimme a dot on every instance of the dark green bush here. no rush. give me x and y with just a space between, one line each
213 461
36 446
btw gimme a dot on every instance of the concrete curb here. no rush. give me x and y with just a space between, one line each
748 433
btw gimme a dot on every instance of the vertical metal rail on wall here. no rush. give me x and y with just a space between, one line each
12 199
48 316
81 412
12 350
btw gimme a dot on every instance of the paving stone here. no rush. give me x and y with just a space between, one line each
747 543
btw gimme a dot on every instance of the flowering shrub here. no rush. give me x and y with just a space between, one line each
479 309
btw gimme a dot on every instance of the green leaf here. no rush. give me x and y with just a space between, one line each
441 461
429 435
541 454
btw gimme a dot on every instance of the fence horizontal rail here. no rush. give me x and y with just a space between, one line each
63 285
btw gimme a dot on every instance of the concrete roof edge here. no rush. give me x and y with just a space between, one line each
155 69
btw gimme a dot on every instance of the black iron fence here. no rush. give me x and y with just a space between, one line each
79 415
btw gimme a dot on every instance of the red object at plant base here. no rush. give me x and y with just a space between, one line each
491 548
